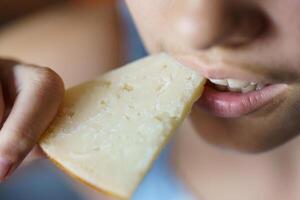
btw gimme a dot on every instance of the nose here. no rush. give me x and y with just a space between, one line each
208 23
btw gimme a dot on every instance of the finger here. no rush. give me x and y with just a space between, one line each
38 99
35 154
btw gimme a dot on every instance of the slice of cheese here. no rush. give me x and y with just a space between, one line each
110 130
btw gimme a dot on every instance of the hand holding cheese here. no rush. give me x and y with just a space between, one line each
110 130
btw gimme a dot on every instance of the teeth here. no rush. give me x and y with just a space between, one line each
260 86
249 88
234 89
219 81
235 85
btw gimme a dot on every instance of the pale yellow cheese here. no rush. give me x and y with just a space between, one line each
110 130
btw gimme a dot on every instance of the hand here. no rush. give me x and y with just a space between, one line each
29 99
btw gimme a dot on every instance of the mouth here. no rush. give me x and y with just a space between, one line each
237 98
231 97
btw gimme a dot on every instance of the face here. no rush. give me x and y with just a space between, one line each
248 49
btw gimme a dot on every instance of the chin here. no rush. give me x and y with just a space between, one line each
250 134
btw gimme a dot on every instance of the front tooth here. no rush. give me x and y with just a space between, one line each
237 84
248 88
219 81
260 86
234 89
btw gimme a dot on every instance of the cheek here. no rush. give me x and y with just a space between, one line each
284 16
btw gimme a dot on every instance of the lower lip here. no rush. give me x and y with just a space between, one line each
232 104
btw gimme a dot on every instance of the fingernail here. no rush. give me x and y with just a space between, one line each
4 168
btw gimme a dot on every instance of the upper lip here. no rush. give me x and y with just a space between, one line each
219 70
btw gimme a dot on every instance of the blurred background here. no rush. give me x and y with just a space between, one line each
67 36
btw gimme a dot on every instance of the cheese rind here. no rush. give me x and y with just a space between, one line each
110 130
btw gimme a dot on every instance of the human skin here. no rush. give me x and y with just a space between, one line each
93 44
205 29
86 43
13 9
278 36
263 42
